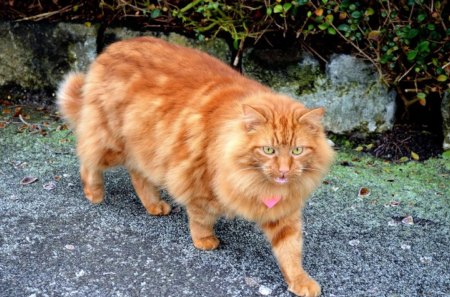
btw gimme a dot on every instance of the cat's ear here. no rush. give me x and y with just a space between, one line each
312 119
253 117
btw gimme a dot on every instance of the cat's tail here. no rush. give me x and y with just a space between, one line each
69 97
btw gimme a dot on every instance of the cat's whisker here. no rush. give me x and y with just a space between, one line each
310 169
248 168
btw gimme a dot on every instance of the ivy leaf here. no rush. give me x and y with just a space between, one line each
323 26
331 31
155 13
442 78
424 47
278 8
287 6
329 18
374 35
411 55
412 33
421 17
356 14
369 11
344 27
319 11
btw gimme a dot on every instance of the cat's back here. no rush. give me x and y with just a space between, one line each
149 58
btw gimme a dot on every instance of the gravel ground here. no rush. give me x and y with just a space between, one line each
392 242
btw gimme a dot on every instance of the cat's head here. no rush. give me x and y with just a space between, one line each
285 142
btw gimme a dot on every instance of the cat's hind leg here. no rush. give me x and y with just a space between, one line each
149 195
92 179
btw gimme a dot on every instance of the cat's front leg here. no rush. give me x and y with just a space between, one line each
201 224
285 236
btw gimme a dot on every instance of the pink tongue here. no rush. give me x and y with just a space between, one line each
271 201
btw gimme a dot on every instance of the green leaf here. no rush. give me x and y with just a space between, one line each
269 10
386 58
421 95
369 11
329 18
431 27
403 159
278 8
344 27
424 47
421 17
356 14
415 156
323 26
287 6
411 55
75 8
302 2
331 31
442 78
155 13
309 14
412 33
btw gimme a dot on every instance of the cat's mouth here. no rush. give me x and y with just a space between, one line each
281 180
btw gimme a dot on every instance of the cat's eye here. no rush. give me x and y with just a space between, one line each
297 151
268 150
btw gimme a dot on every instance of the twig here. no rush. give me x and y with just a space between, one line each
315 52
44 15
23 121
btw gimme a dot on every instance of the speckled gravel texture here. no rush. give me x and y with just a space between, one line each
55 243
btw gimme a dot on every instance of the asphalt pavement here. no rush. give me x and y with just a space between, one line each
372 229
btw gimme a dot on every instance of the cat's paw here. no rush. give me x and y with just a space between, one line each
161 208
207 243
305 287
94 194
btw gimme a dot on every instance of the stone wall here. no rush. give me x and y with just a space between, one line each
35 57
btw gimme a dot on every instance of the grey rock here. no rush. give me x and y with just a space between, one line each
445 110
35 56
349 90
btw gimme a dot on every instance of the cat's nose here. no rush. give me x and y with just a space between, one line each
283 171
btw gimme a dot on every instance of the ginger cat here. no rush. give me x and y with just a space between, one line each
220 143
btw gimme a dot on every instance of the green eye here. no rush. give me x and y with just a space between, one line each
268 150
297 151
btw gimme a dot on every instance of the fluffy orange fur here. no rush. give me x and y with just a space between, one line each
220 143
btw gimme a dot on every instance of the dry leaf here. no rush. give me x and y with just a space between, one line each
408 220
415 156
49 186
318 12
28 180
363 192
